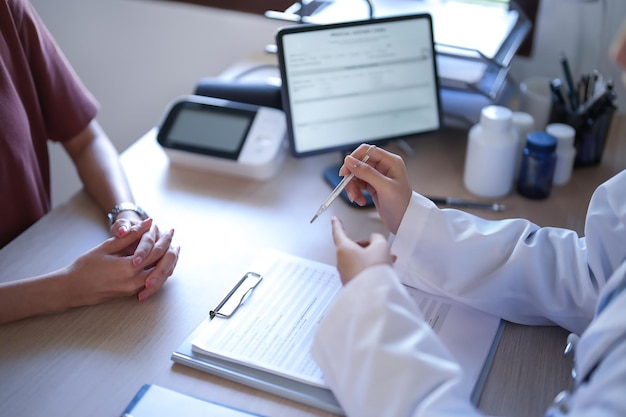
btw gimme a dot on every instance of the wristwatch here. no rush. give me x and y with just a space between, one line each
126 207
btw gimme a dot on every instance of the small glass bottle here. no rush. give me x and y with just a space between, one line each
538 163
490 155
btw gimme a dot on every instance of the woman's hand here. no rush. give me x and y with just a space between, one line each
152 251
108 271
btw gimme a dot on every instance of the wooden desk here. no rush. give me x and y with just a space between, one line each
91 361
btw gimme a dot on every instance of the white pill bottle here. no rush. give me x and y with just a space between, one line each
491 155
565 151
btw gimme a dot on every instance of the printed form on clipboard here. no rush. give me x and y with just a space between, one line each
272 322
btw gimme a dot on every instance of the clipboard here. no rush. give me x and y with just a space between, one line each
237 296
280 272
318 397
265 381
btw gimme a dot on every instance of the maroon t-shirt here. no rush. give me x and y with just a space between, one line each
41 99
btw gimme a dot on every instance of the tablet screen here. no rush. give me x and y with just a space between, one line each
363 81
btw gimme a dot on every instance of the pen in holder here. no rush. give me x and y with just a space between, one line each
591 120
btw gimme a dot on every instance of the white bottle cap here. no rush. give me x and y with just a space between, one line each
563 133
496 118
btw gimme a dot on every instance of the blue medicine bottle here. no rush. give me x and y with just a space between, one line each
537 166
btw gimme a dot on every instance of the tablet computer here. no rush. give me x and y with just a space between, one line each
347 83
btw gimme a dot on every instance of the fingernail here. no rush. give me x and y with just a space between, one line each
137 261
151 283
142 296
122 231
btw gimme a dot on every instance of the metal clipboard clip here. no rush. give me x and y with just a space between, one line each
237 296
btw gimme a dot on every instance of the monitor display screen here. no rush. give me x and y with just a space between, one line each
349 83
197 125
220 131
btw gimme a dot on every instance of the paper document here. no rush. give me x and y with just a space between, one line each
274 328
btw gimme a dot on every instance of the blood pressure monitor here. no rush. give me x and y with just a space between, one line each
224 136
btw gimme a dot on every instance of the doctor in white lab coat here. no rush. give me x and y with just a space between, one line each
381 358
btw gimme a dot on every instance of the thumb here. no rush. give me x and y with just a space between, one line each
122 241
339 235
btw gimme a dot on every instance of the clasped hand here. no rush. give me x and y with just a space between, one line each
138 259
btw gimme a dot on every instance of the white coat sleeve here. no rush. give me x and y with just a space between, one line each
381 358
512 268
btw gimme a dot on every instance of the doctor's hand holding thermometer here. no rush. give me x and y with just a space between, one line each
384 177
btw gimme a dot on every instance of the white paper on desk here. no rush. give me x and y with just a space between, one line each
273 330
268 333
468 334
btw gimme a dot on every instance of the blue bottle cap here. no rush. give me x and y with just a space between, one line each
541 142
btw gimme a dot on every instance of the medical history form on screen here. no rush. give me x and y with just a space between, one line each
353 84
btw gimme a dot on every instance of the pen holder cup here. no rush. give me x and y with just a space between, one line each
592 127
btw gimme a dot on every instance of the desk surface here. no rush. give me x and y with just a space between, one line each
91 361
